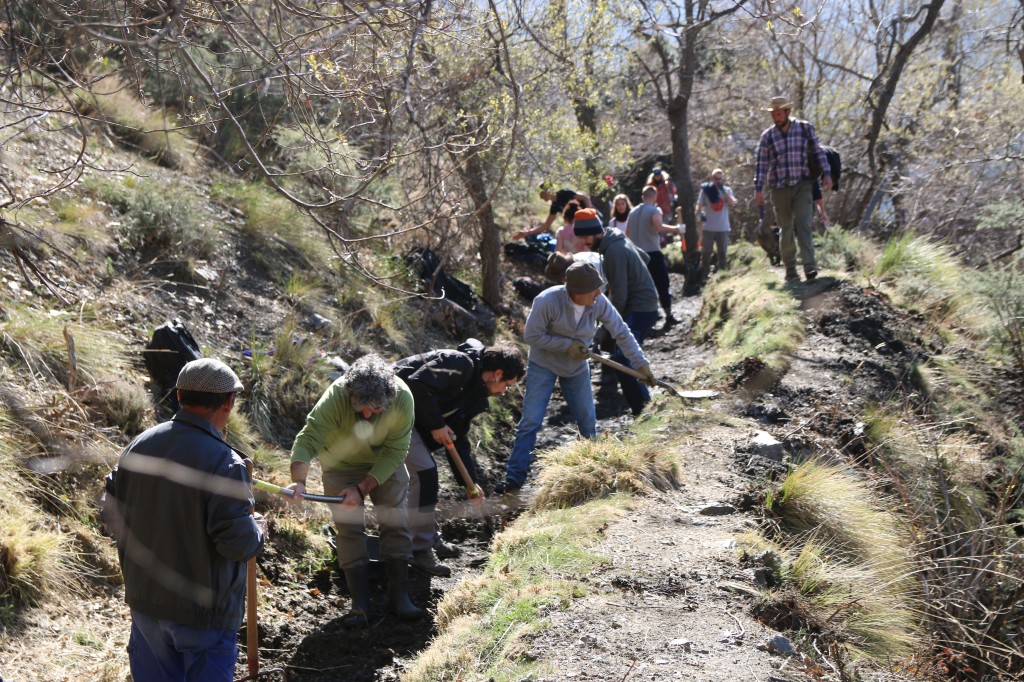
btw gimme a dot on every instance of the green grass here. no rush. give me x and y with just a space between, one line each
750 317
484 623
280 236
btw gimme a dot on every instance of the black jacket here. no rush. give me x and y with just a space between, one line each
448 388
184 531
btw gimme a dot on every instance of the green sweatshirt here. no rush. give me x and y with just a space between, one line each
344 440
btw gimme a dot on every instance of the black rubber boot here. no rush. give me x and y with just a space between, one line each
358 579
398 591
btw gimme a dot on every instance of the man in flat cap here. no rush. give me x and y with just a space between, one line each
361 429
784 157
181 515
559 331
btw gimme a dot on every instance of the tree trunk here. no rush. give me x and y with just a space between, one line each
471 172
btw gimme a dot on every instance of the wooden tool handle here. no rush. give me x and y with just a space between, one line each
471 488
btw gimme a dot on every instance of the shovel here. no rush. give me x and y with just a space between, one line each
683 395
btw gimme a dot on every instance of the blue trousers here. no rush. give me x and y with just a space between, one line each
635 393
539 385
165 651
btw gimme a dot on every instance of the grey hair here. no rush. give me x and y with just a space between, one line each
371 382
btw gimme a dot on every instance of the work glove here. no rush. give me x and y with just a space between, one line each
578 351
648 375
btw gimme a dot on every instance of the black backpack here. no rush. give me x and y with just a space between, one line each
170 349
835 164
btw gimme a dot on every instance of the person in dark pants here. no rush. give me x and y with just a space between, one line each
450 387
630 290
643 226
181 515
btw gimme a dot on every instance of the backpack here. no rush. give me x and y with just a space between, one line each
428 268
170 349
835 163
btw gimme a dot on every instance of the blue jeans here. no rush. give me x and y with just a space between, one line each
164 651
635 393
539 385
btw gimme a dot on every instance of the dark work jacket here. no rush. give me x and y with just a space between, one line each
184 530
447 382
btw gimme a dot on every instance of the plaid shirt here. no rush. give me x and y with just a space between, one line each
782 157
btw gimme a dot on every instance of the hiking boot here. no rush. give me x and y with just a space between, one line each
670 320
503 488
426 562
791 275
809 275
445 550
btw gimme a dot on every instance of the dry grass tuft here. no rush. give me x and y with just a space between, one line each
586 469
36 562
845 571
842 506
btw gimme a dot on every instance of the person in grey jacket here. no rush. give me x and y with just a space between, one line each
559 331
630 289
181 517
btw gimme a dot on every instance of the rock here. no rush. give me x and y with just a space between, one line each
683 644
718 510
779 645
205 275
765 445
319 322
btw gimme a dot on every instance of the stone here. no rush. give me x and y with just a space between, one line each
765 445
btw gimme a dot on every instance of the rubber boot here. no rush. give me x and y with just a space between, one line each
398 591
358 579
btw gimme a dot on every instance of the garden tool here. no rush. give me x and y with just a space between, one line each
679 393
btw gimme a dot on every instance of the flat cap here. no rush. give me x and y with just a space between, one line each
582 278
207 375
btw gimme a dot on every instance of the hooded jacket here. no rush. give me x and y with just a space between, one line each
630 286
552 327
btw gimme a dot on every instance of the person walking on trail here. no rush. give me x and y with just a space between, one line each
643 227
360 429
630 290
559 331
783 158
450 387
559 200
667 194
179 507
713 203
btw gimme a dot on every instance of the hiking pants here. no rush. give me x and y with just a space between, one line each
794 211
714 241
658 268
635 393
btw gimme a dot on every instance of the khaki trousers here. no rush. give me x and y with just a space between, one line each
794 210
388 503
